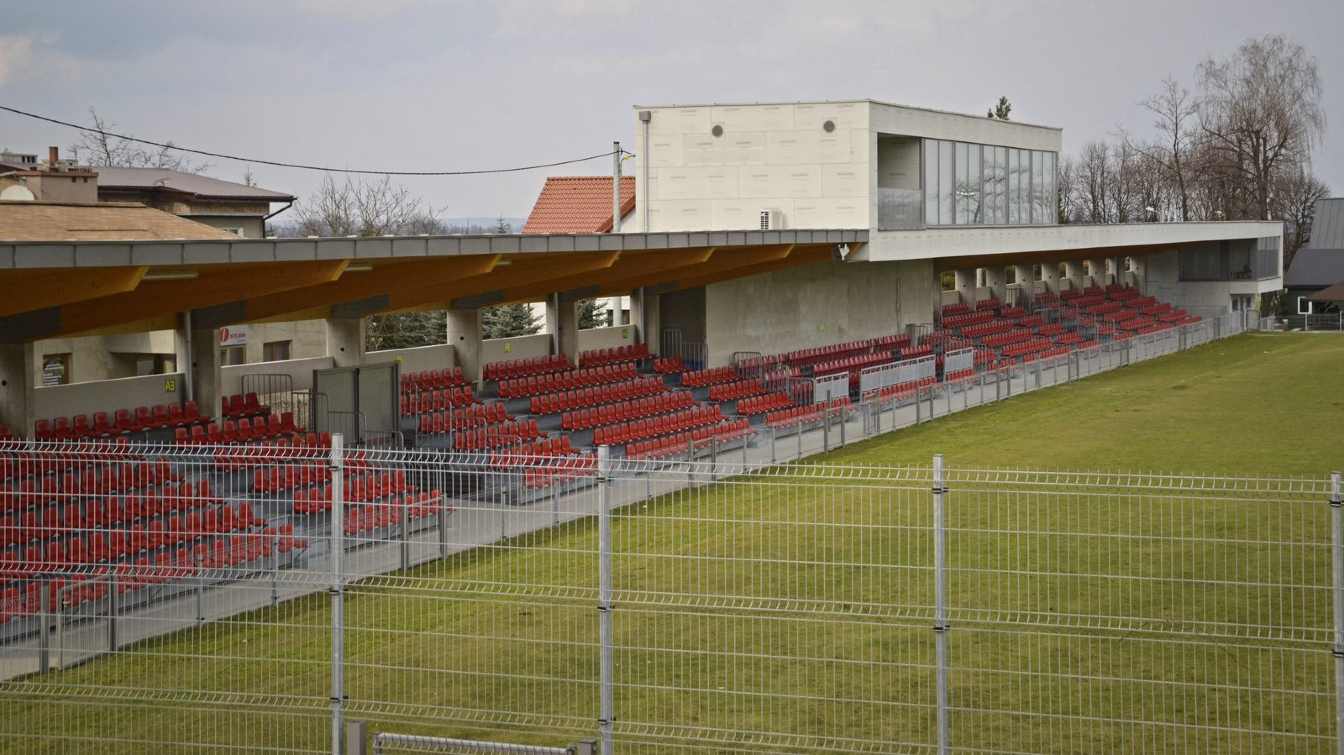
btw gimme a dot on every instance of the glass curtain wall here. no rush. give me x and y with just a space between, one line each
979 184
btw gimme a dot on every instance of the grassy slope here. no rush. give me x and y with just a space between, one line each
1235 406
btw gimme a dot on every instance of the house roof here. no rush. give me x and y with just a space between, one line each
578 204
1332 293
1315 268
194 184
1327 225
105 221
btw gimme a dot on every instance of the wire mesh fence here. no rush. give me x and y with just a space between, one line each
259 598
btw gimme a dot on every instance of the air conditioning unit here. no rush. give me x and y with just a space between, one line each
772 220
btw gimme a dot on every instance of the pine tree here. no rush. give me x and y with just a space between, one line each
509 320
593 313
1001 110
405 330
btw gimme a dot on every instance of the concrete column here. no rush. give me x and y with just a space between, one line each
966 285
1025 282
1098 271
18 364
1050 276
345 341
464 335
206 376
1139 276
562 317
1073 271
997 283
623 312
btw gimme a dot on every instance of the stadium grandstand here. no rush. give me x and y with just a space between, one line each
784 263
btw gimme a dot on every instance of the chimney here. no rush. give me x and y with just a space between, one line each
53 157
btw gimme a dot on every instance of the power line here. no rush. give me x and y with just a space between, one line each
302 166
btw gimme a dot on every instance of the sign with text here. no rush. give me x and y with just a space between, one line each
234 335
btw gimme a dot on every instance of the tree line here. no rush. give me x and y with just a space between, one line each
1237 147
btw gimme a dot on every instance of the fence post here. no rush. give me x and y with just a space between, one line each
113 605
940 626
1337 593
337 592
825 428
606 712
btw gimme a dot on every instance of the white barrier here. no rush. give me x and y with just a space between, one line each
959 360
828 387
881 376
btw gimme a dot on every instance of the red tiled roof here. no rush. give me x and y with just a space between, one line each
578 204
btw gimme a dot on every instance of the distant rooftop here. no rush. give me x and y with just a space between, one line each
104 221
840 102
203 187
578 204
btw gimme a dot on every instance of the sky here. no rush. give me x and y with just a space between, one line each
418 85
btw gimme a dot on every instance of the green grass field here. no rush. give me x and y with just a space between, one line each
445 651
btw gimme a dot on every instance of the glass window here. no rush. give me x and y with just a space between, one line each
974 192
1051 200
1038 208
962 149
946 183
1000 185
1014 191
930 182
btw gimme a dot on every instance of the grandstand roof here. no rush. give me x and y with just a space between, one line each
578 204
1331 293
1315 268
104 221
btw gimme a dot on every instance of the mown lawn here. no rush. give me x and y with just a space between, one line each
502 642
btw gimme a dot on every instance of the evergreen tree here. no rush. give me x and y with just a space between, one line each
509 320
1001 110
593 314
404 330
502 226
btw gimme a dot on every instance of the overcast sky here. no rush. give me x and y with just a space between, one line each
408 85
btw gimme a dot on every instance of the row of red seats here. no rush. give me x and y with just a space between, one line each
915 352
36 475
496 436
988 329
830 352
244 430
476 415
277 478
557 403
952 310
241 405
1025 348
806 413
633 352
712 376
511 369
433 380
675 445
436 400
1051 329
294 447
902 391
763 404
668 365
534 452
1007 339
985 305
956 375
359 489
738 389
563 381
1013 313
625 432
610 414
362 519
1058 351
851 364
49 547
96 513
100 425
969 319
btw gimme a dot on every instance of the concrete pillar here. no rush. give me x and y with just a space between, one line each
1098 271
464 335
1139 276
1073 271
1025 282
1050 276
206 376
966 285
345 341
18 364
622 307
562 317
997 283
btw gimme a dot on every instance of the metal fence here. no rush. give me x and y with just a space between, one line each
709 603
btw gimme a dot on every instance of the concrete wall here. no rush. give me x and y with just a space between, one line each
961 127
107 395
301 370
814 305
308 338
684 311
775 157
251 226
606 338
418 359
521 347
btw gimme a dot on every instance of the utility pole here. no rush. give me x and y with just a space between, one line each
615 187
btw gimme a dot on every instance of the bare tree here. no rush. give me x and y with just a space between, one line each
1297 195
1261 112
1174 113
1094 182
100 149
364 208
